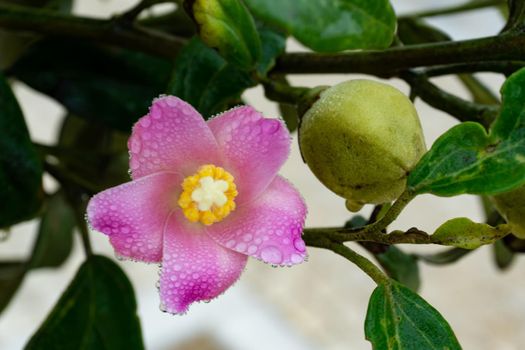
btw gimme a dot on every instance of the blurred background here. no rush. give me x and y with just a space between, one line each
320 304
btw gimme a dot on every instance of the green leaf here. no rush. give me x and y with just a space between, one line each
398 318
94 152
20 167
228 26
11 276
13 44
273 45
55 234
448 256
463 233
97 311
329 26
400 266
51 248
205 80
114 87
503 256
468 160
209 83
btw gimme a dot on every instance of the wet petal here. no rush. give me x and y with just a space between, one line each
254 148
133 215
268 229
173 136
194 267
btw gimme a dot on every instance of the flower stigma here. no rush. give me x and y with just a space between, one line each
208 196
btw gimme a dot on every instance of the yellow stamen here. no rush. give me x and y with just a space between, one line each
208 196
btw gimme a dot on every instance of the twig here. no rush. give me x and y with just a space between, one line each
469 6
108 31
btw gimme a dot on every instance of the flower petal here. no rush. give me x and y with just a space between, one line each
254 147
133 215
173 136
194 267
269 228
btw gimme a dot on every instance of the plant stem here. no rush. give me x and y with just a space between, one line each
459 108
392 213
110 31
385 63
388 63
62 176
472 5
363 263
84 232
341 234
503 67
283 92
132 14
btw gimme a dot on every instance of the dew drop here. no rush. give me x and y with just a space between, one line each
272 255
271 126
240 247
136 145
247 237
296 258
145 122
230 243
298 243
177 267
252 249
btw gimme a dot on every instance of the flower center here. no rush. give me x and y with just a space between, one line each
208 196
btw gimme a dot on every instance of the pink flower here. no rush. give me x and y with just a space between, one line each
203 196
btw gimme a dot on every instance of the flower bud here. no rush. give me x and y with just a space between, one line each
511 205
361 138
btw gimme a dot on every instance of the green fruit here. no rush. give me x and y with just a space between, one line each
511 205
361 138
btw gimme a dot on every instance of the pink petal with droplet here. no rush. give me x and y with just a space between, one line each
254 148
194 267
133 214
269 228
173 136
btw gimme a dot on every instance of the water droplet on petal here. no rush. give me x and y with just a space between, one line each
136 145
240 247
296 258
252 249
247 237
272 255
145 122
298 243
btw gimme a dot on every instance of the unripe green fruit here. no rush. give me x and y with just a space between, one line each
511 205
361 138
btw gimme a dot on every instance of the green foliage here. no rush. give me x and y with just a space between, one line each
400 266
51 249
209 83
467 159
503 256
55 234
463 233
398 318
336 26
112 87
96 153
228 26
97 311
20 166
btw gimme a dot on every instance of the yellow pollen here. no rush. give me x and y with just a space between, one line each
208 196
